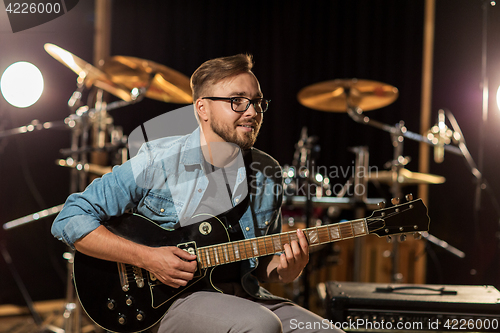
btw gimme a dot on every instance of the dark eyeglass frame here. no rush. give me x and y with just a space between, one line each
250 102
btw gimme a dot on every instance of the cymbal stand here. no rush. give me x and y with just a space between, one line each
398 163
304 163
398 133
361 166
89 130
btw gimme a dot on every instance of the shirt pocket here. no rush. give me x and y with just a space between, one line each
162 206
264 220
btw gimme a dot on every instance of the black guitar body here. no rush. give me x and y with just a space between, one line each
124 298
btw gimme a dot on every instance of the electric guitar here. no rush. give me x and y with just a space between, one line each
123 298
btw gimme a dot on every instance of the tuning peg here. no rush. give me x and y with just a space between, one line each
417 235
402 237
395 201
381 204
389 239
409 197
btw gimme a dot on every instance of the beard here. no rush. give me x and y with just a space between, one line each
245 140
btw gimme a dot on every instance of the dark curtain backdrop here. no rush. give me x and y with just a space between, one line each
294 44
298 43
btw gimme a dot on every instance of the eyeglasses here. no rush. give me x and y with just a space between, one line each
241 104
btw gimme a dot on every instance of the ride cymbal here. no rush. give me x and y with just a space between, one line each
162 83
331 95
87 72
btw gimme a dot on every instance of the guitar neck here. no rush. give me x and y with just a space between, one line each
214 255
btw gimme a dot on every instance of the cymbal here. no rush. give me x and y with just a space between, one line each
405 177
162 83
331 95
91 74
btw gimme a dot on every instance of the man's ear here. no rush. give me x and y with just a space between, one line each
201 109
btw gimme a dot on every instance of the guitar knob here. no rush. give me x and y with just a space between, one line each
409 197
139 316
417 235
111 304
129 301
395 201
389 239
402 237
381 204
122 319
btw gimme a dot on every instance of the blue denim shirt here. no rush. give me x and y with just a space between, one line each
165 182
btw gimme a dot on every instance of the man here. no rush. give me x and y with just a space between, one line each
213 170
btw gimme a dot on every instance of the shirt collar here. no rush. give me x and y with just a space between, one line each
191 152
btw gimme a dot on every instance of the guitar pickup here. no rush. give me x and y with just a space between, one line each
190 247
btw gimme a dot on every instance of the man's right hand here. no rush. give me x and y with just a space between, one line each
171 265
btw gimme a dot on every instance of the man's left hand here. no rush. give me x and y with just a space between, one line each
294 258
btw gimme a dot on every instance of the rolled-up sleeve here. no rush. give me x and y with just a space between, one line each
111 195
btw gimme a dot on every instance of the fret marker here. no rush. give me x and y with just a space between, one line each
313 236
236 251
255 250
334 232
359 228
277 244
216 256
208 257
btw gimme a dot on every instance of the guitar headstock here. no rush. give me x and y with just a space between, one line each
410 217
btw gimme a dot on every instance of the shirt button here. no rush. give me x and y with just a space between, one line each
236 200
199 190
162 210
247 229
266 223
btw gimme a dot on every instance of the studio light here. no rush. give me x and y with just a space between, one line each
498 97
21 84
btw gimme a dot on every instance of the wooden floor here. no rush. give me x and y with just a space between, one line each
18 319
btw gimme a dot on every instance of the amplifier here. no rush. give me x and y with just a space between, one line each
377 307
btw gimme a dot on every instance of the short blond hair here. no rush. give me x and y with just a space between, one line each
216 70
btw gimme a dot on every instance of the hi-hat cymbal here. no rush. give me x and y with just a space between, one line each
162 83
87 72
331 95
405 177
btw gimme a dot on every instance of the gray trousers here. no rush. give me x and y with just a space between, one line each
212 312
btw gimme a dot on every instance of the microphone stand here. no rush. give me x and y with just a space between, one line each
20 284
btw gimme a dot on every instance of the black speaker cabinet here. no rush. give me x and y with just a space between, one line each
377 307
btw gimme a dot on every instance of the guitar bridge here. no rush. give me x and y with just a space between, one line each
190 247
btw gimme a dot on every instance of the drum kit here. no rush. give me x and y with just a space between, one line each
96 142
351 96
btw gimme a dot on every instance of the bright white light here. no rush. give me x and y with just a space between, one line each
498 97
21 84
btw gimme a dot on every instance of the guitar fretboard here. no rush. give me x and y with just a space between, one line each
225 253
